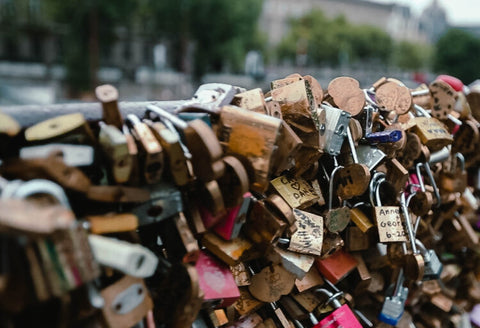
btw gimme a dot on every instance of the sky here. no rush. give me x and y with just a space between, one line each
459 12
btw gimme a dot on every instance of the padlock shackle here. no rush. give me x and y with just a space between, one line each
460 158
332 298
330 185
423 250
408 223
374 184
419 176
19 189
352 145
422 111
169 116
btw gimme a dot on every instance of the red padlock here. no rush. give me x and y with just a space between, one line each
455 83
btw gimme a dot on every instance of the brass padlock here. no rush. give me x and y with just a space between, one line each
114 144
152 155
454 179
252 135
65 127
389 223
432 132
108 96
296 192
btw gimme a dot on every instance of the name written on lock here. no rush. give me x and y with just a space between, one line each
296 191
390 225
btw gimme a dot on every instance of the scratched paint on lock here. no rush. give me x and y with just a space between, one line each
308 238
296 192
216 280
390 225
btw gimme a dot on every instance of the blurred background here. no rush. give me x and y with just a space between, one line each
56 50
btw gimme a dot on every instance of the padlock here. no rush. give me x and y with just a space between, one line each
312 279
112 222
370 156
414 266
72 155
421 201
246 304
431 131
231 252
252 135
278 316
393 96
271 283
108 96
132 259
281 208
298 107
165 201
176 159
152 157
241 274
289 144
337 266
234 183
443 99
211 96
52 168
396 173
253 100
295 191
466 137
394 304
389 223
356 239
262 225
275 84
342 315
454 179
359 218
336 219
69 127
229 226
294 262
354 177
216 281
127 301
201 142
292 309
336 128
433 266
346 94
308 239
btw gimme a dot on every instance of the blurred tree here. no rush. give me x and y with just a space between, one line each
456 53
411 56
221 32
334 41
87 24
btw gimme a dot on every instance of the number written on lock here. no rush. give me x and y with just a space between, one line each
389 223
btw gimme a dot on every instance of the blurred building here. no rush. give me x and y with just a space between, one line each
396 20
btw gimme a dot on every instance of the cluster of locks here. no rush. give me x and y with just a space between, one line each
302 207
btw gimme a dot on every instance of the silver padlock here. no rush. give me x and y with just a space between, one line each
433 265
336 128
394 305
132 259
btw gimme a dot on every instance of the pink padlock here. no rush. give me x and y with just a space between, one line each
216 281
341 317
231 223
